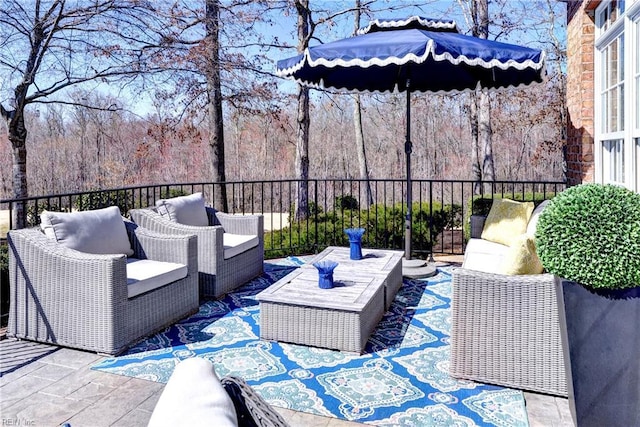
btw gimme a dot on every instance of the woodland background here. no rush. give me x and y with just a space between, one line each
155 126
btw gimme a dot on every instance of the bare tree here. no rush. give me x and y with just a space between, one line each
49 47
214 96
477 14
303 119
357 121
216 55
484 103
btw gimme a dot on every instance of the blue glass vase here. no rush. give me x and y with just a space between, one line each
325 273
355 242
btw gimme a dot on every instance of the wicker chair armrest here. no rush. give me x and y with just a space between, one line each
242 224
250 407
210 236
42 261
477 224
490 279
150 219
178 248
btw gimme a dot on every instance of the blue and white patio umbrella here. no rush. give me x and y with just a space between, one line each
415 54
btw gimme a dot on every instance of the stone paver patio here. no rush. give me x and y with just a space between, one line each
44 385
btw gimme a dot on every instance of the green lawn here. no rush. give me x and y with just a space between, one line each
4 223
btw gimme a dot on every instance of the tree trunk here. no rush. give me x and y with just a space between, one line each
303 120
18 132
484 137
302 154
359 135
214 92
484 104
476 170
18 139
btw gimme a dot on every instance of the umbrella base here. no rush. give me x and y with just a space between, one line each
418 268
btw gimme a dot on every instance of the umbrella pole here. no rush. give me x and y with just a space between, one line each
415 269
407 150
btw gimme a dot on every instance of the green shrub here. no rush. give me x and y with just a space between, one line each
173 192
4 281
314 209
347 202
102 199
384 228
4 258
34 211
590 234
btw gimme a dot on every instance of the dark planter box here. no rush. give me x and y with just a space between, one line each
601 343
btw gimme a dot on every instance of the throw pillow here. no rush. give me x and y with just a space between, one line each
100 231
507 220
533 221
194 396
187 210
521 258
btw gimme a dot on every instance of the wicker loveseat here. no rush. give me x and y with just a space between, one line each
87 301
504 328
230 247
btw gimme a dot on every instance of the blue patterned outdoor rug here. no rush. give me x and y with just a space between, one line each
401 380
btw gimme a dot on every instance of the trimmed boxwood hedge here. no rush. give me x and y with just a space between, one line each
384 228
590 234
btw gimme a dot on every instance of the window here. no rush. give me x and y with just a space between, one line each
613 86
609 13
613 168
617 126
637 75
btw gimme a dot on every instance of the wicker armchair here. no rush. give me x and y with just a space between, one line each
74 299
505 329
217 275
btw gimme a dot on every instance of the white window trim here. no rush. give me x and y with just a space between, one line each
626 23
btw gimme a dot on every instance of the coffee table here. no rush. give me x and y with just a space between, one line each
296 310
381 263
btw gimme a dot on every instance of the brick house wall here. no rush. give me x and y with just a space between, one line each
579 149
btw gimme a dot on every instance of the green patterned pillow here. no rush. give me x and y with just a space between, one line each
506 221
521 258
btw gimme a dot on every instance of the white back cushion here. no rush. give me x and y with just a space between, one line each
533 221
187 210
483 255
99 231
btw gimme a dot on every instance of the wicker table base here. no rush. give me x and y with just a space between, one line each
296 310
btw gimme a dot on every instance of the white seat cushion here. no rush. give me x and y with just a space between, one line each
235 244
99 231
483 255
194 397
144 275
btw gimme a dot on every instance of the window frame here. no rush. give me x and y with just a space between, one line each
627 26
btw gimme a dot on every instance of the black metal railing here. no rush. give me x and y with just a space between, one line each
440 209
